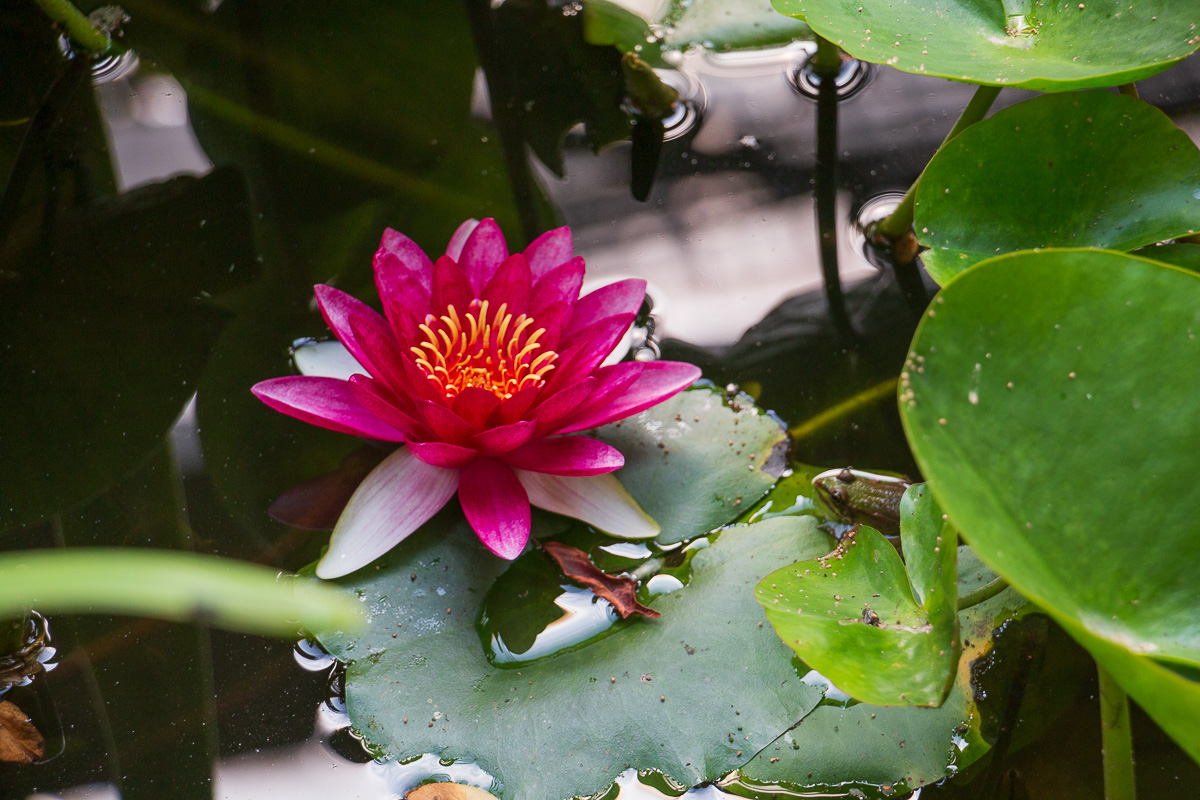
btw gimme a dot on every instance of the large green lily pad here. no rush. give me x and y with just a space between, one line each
694 694
1092 169
1051 47
1049 401
881 634
717 25
698 460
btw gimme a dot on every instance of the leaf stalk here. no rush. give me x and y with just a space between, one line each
1116 739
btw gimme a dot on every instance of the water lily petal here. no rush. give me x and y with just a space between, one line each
400 256
548 251
510 285
496 506
484 251
504 438
395 499
566 455
455 247
450 286
337 308
561 285
622 297
440 454
594 343
326 402
555 408
658 381
608 382
599 500
446 425
406 302
384 404
382 345
475 405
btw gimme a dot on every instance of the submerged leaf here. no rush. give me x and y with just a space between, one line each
620 590
20 740
448 791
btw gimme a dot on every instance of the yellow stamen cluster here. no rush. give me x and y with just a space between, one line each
500 353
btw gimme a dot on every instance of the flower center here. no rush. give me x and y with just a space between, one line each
493 351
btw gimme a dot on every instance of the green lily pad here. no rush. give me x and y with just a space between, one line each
1186 256
717 25
1051 47
888 750
694 694
1048 400
1092 169
853 616
697 461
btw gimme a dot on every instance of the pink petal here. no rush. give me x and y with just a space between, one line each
450 287
658 381
395 499
610 381
566 455
445 424
382 403
388 364
515 407
399 256
337 308
483 253
440 454
560 286
475 405
622 297
547 251
455 247
599 500
326 402
496 506
510 285
597 340
422 386
495 441
552 411
406 302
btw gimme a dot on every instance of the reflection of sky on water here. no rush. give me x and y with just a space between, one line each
585 616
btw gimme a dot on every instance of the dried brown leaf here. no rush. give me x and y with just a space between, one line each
20 741
317 503
618 590
447 791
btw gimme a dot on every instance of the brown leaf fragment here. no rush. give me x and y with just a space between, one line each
317 503
448 791
617 589
20 741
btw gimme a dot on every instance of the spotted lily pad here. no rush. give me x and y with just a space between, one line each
1031 44
1089 169
1048 401
698 460
694 694
881 634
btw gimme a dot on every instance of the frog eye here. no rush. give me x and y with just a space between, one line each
839 493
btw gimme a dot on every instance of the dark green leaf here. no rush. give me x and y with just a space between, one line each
1038 44
1048 403
1088 169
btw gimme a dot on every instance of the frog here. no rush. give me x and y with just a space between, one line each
866 498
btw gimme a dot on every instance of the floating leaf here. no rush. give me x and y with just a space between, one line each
620 590
696 462
1186 256
693 694
727 25
1030 44
1090 169
20 740
853 616
1050 412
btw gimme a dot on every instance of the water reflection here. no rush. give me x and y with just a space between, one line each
585 616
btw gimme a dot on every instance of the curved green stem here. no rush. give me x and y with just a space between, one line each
900 221
1116 740
985 592
827 63
867 397
79 28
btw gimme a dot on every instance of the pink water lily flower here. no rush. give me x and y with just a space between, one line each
480 364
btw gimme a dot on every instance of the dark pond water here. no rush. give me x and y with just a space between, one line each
126 403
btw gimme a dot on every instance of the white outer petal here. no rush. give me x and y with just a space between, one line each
328 359
599 500
393 501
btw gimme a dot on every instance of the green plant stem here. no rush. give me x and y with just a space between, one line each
867 397
900 221
1116 739
1129 89
826 64
985 592
12 634
79 28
